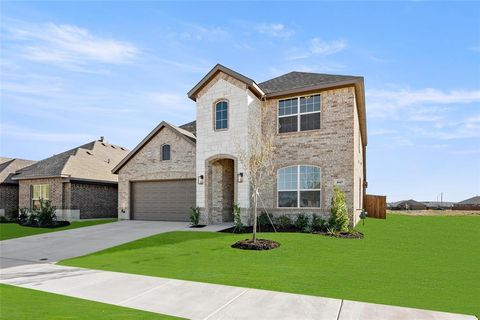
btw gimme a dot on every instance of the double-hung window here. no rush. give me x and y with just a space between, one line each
40 191
221 115
298 187
299 114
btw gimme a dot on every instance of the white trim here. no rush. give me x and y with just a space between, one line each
298 190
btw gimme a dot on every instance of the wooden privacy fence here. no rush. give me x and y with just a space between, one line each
376 206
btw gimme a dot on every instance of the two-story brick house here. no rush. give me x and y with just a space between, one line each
319 127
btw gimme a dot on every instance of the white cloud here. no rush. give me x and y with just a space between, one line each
200 33
384 103
25 133
317 47
69 45
171 104
277 30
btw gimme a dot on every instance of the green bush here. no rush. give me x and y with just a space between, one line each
237 219
318 224
4 219
32 219
23 216
283 222
195 216
302 223
338 211
45 214
263 220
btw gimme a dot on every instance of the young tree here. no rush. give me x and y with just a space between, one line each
257 156
339 211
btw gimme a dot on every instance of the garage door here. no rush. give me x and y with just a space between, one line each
163 200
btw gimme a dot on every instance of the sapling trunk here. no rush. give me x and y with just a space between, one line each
255 194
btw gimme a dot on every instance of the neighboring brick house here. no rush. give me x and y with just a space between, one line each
9 187
319 127
78 182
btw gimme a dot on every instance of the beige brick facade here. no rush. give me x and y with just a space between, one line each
85 200
331 148
146 164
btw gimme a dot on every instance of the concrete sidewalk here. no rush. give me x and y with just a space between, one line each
59 245
195 300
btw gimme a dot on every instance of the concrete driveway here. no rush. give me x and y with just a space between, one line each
55 246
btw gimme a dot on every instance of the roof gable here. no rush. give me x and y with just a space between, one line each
304 81
192 94
186 134
91 161
9 166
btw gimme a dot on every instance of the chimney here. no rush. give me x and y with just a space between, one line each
102 138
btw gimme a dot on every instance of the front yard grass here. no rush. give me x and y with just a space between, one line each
421 262
25 304
13 230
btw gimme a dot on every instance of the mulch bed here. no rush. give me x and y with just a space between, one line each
55 224
260 244
199 226
354 234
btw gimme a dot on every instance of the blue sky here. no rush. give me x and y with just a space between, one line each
72 72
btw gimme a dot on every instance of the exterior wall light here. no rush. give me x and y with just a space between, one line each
240 177
200 179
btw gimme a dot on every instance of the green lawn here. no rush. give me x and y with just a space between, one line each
423 262
13 230
19 303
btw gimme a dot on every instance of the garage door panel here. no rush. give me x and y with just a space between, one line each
163 200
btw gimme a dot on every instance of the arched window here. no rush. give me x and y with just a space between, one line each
221 115
298 187
166 152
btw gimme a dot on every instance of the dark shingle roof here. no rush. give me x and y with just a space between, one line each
190 127
473 200
91 161
299 80
8 167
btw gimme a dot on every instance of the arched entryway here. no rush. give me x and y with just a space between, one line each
221 189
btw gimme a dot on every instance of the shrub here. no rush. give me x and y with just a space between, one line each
302 222
263 220
338 210
23 216
318 224
237 219
283 222
32 219
195 216
4 219
45 214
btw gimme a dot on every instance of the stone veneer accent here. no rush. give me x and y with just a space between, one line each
214 144
221 179
147 165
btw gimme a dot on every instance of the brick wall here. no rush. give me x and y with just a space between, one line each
147 165
9 198
56 191
331 148
94 200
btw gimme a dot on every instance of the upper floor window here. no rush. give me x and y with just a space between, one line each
298 187
299 114
221 115
166 152
40 192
